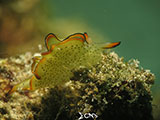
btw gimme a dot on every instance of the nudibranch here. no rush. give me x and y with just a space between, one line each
55 66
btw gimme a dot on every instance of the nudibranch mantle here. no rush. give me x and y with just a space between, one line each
55 66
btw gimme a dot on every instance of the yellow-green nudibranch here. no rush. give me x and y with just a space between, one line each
55 66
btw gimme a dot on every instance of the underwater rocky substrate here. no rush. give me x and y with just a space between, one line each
112 90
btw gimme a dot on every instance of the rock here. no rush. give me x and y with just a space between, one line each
112 90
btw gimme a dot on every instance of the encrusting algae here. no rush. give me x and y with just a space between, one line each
112 89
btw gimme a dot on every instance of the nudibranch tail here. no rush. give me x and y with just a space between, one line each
27 84
111 45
